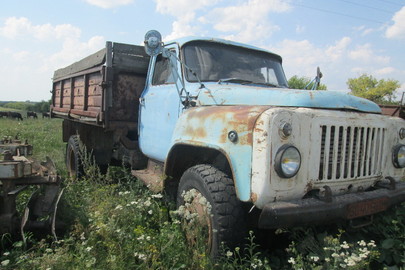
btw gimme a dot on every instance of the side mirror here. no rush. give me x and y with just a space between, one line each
153 43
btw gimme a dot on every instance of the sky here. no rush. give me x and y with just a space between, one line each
345 38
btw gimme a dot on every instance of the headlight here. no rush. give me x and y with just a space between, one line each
398 156
288 161
402 133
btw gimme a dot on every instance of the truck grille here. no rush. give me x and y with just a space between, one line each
350 152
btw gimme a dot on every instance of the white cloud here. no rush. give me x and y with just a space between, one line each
185 23
109 3
337 51
385 71
299 29
53 47
300 57
365 54
21 56
181 28
22 28
73 50
397 30
181 8
364 31
247 21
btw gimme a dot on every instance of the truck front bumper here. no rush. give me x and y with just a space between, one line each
343 207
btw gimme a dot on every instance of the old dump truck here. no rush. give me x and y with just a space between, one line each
217 118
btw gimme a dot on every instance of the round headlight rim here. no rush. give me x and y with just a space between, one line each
278 163
395 153
401 133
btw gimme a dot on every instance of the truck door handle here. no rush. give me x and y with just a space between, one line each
142 101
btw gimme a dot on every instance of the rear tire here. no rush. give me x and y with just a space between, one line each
74 161
225 222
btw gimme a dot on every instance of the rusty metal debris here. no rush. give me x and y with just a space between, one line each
17 173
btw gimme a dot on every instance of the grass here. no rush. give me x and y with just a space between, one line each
116 223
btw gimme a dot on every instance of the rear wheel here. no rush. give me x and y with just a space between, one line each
208 195
74 157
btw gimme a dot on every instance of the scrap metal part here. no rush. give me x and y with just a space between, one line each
17 173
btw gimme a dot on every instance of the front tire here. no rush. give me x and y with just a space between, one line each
74 161
224 218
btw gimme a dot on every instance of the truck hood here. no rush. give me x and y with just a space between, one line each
233 94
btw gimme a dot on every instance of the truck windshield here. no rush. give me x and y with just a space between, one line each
218 62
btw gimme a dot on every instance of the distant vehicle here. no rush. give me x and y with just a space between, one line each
216 118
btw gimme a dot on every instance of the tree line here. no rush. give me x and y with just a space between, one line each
366 86
40 107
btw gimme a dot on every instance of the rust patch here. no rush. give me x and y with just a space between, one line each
308 187
224 135
253 197
196 132
238 118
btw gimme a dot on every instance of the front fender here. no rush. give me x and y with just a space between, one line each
209 127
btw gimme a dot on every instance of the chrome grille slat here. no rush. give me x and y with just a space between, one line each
349 152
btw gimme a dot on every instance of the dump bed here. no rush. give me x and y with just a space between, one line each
102 89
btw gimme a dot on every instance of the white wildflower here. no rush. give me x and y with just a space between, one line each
345 245
147 203
6 253
350 262
335 255
119 207
361 243
229 254
315 258
157 196
371 244
291 260
88 249
140 256
5 262
150 212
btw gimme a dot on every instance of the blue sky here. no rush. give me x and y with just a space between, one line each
345 38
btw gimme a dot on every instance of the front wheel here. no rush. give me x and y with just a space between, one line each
208 195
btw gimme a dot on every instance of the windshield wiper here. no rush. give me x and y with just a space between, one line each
244 81
235 80
267 84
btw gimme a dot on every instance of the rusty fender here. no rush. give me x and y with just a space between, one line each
210 127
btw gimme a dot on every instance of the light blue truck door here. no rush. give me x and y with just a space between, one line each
160 107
